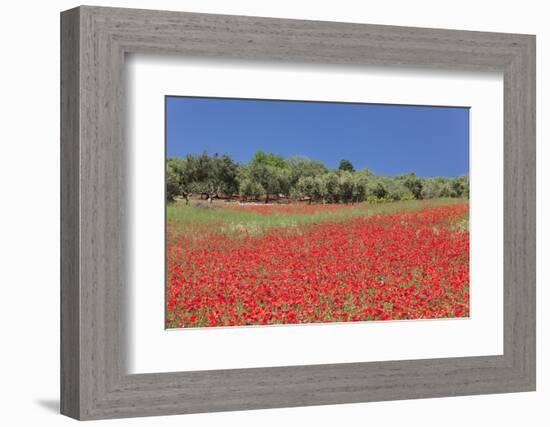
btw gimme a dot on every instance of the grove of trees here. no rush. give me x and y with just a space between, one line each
269 177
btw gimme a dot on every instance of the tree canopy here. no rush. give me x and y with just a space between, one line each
346 165
271 177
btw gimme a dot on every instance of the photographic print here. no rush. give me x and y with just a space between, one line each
297 212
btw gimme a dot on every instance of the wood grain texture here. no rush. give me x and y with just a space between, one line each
70 219
94 382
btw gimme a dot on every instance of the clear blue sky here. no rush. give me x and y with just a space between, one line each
387 139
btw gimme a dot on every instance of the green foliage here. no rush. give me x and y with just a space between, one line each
446 187
465 179
408 196
179 178
268 159
346 165
310 187
360 186
269 177
270 173
250 189
413 184
330 187
377 189
301 167
460 186
172 182
372 199
346 187
202 174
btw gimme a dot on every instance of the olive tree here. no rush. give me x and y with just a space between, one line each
330 187
179 178
310 187
346 187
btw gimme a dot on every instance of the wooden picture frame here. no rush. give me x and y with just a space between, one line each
94 382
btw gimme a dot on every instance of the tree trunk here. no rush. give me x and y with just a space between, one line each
267 198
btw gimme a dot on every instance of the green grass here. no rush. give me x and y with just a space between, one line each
229 220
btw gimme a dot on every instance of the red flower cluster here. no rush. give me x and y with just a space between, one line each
407 265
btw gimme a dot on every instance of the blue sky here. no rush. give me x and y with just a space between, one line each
387 139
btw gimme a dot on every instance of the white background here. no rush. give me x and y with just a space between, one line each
151 78
29 216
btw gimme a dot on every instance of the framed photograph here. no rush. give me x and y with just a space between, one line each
275 227
261 213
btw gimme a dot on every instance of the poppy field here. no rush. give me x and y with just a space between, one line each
242 264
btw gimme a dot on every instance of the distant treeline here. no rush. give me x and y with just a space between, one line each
270 177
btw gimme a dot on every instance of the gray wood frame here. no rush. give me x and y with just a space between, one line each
94 41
